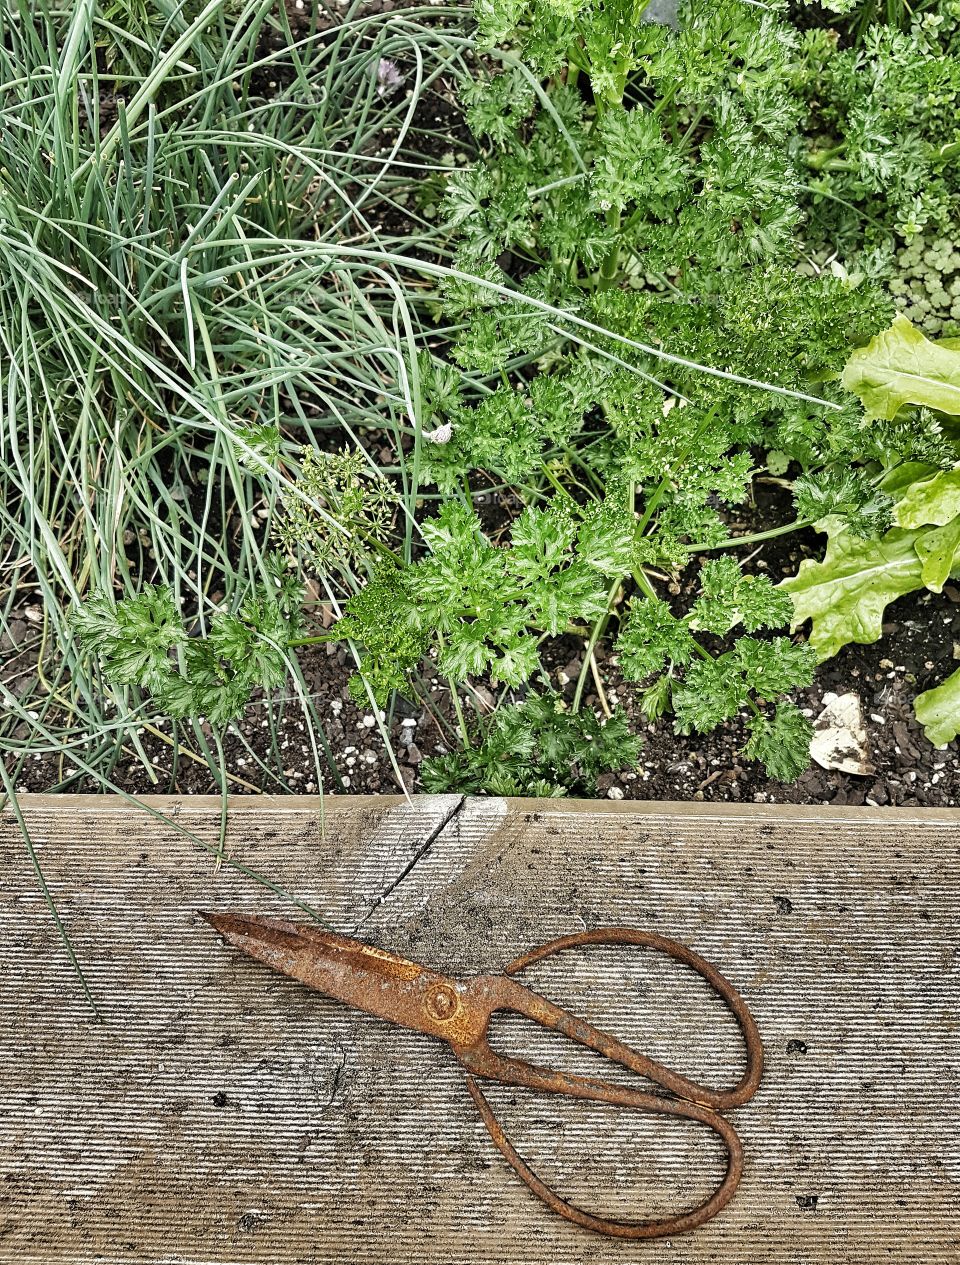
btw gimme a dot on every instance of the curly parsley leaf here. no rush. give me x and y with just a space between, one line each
780 742
846 492
142 641
652 637
728 597
537 748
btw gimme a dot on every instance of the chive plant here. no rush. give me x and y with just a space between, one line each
159 374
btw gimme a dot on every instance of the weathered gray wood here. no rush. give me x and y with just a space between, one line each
223 1114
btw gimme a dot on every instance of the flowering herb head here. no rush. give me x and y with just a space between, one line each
389 78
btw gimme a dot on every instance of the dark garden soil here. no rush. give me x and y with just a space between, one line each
920 645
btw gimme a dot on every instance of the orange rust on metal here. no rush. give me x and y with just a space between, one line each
459 1012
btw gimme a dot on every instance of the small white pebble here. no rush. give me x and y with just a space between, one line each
615 792
368 722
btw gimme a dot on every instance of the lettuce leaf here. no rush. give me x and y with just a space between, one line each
938 710
846 594
900 366
935 500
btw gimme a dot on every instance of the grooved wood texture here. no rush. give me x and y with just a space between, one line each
222 1114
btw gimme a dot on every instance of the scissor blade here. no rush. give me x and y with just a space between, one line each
279 942
371 979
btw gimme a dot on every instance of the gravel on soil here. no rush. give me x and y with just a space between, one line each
917 650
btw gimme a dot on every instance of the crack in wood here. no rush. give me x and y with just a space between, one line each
413 862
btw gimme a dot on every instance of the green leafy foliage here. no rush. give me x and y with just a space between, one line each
133 639
939 552
537 748
900 366
635 163
883 105
177 315
926 283
666 211
848 493
780 742
728 597
382 618
845 595
143 641
477 605
935 499
938 710
714 689
674 205
900 372
652 637
673 250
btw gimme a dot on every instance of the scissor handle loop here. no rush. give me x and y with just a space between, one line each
594 1038
653 1228
691 1101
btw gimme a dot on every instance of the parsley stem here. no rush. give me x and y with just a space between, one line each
451 686
819 159
642 583
315 641
733 541
461 719
596 633
554 481
611 264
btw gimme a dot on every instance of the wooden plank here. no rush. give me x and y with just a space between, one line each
222 1114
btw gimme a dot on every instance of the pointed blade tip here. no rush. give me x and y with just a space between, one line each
219 922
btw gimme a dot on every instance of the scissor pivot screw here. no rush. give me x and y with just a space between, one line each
442 1002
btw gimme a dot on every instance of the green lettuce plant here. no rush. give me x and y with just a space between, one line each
846 593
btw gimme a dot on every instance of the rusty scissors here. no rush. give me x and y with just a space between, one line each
459 1011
